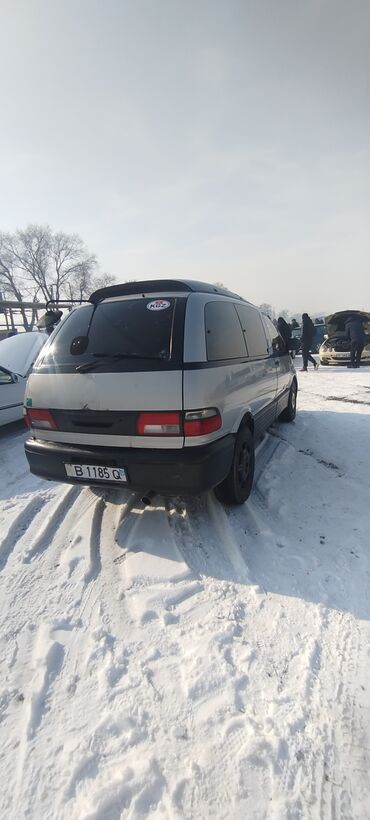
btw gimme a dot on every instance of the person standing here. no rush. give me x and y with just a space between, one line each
285 331
356 334
308 332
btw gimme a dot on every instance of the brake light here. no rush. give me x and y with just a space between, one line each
40 418
201 422
159 424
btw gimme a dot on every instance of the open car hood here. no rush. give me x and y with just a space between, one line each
18 353
335 322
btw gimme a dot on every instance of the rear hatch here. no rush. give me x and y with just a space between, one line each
112 374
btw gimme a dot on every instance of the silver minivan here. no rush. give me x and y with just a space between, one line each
159 386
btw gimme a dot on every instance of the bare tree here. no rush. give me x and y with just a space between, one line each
13 285
36 263
268 309
285 314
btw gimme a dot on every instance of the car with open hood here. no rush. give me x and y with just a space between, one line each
158 386
336 347
17 356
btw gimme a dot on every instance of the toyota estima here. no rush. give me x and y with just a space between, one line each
158 386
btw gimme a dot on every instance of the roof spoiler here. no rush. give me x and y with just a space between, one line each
159 286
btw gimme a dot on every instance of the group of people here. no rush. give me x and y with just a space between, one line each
354 330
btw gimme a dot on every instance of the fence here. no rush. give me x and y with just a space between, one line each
17 317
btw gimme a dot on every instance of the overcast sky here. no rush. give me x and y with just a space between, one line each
226 141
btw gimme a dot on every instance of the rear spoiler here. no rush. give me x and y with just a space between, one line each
159 286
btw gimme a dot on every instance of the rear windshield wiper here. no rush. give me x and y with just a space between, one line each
83 368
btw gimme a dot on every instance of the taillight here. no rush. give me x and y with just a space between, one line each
195 423
40 418
201 422
159 424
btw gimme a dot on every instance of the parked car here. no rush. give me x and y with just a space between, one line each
161 386
296 334
336 348
17 355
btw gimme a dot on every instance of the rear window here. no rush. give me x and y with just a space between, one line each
144 332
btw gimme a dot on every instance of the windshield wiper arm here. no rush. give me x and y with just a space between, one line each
83 368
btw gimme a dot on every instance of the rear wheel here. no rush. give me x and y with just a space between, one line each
237 486
289 413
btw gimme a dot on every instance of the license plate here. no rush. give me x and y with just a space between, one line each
92 471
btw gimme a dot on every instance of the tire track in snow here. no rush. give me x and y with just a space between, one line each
317 763
48 668
296 779
46 664
95 542
100 584
52 525
205 539
313 771
19 526
344 731
62 647
59 541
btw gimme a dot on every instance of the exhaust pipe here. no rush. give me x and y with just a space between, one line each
148 498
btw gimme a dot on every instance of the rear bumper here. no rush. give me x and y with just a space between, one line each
187 471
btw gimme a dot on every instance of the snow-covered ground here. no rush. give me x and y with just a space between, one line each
187 661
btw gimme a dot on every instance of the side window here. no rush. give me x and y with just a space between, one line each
276 341
224 337
5 378
254 332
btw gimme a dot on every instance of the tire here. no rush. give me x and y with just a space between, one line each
290 411
237 486
324 363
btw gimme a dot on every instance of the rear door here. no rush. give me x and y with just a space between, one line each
108 364
264 366
228 376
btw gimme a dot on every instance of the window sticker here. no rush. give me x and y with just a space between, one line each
158 304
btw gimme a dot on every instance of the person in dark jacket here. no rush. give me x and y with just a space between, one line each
356 334
308 332
285 331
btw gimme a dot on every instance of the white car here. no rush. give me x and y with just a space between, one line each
336 347
17 355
